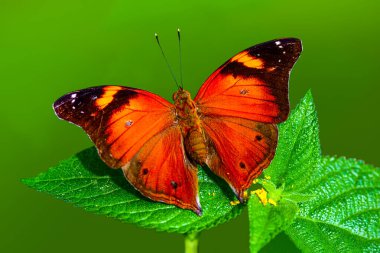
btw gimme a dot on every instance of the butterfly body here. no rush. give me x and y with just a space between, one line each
188 119
229 126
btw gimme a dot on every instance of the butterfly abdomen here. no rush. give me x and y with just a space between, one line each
195 146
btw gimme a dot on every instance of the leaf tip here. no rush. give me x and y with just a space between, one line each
308 96
27 181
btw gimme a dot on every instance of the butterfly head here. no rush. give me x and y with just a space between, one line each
181 96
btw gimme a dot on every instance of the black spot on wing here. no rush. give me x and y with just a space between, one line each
174 184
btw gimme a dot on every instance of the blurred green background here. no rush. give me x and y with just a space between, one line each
48 48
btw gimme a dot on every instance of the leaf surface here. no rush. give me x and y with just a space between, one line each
87 182
344 216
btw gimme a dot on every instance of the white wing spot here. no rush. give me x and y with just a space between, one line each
94 97
279 60
73 107
73 95
280 46
278 42
129 123
82 112
73 101
283 52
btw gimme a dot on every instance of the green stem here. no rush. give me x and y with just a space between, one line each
191 243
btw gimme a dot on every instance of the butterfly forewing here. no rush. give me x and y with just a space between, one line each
119 120
253 84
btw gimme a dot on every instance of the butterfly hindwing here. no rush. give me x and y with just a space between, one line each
253 84
239 149
119 120
161 171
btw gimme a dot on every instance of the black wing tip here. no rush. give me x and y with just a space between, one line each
77 106
77 97
59 104
61 100
285 50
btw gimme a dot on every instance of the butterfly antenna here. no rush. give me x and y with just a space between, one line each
166 60
180 56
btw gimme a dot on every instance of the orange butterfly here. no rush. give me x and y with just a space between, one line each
229 126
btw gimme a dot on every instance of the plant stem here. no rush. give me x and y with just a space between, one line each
191 243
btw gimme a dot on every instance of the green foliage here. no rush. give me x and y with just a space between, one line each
324 204
88 183
344 215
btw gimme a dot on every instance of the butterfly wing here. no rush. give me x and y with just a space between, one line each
239 105
253 84
134 129
161 171
119 120
239 149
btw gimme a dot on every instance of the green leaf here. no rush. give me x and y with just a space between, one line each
344 216
266 221
297 157
88 183
298 151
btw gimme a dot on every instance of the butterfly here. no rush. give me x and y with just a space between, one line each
230 125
